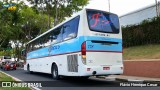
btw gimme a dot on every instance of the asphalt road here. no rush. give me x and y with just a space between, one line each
72 83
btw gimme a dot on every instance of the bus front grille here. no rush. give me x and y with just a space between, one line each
72 61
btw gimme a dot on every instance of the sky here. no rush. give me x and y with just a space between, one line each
121 7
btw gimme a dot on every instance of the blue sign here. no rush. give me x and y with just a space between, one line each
8 5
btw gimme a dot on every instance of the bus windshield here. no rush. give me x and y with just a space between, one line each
103 22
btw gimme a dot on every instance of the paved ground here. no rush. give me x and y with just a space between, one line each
73 83
135 78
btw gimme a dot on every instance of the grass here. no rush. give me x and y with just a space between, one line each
4 77
142 52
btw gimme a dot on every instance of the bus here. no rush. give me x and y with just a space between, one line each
87 44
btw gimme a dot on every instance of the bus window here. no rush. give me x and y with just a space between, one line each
102 21
46 40
70 29
56 35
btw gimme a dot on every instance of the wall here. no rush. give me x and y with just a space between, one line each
142 68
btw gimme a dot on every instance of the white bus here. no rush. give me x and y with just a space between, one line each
87 44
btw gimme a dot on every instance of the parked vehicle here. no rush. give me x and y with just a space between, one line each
5 58
8 66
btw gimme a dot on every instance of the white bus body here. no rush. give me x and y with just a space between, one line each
85 52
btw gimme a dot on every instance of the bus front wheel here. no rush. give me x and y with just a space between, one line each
55 72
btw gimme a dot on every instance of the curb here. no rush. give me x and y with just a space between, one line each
128 80
136 60
16 79
120 79
116 79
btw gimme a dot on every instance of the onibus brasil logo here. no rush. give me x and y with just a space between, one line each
10 7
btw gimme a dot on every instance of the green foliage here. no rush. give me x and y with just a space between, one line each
148 32
5 21
7 52
20 26
32 23
58 8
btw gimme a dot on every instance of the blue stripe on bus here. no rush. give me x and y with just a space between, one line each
74 45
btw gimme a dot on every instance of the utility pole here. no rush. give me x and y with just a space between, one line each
157 11
109 5
55 19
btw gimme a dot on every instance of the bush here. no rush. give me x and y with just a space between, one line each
147 32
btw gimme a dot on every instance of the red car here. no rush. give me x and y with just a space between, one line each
9 66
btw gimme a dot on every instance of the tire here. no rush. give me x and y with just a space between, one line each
55 72
28 69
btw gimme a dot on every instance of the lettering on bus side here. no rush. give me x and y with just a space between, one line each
90 46
55 47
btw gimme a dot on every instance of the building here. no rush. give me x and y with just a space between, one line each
138 16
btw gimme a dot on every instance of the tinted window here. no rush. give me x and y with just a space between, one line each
102 21
64 32
56 36
44 41
70 29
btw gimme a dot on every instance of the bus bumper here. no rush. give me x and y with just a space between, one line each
101 70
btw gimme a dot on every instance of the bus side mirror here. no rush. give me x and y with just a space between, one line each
23 52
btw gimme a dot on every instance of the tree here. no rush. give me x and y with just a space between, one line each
20 26
5 32
58 9
29 25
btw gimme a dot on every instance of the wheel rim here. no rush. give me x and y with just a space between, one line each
54 73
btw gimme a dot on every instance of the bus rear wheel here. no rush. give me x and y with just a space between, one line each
55 72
